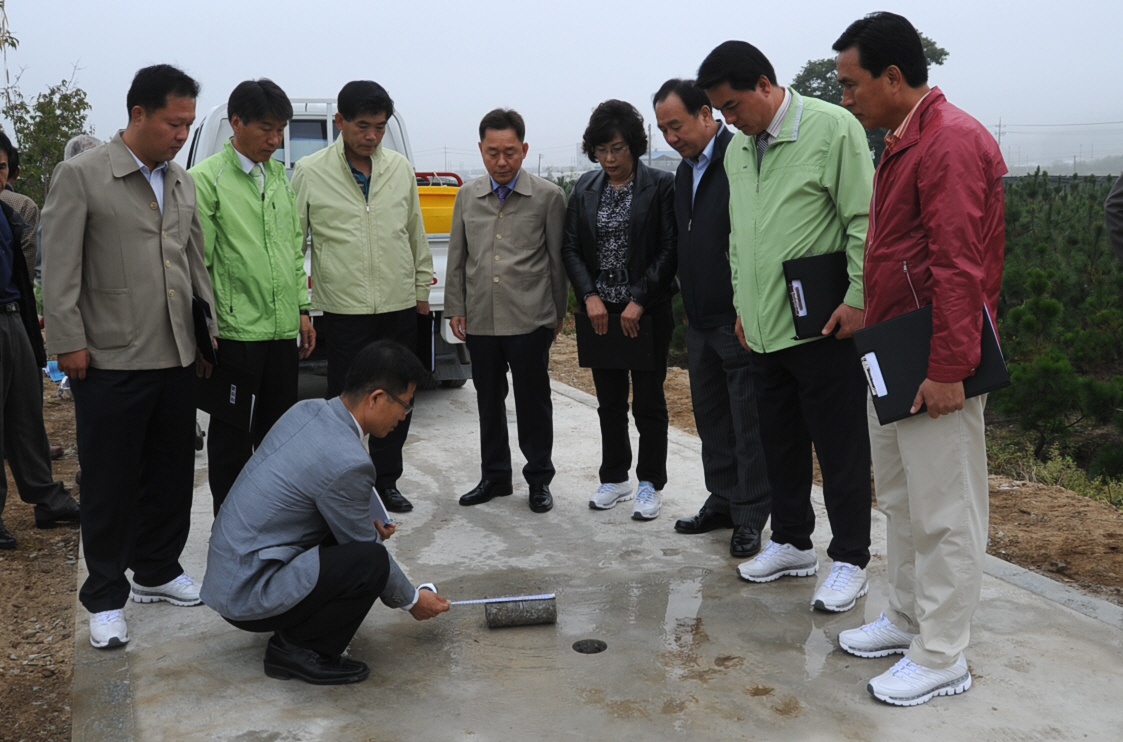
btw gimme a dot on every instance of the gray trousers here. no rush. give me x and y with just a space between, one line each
22 434
725 412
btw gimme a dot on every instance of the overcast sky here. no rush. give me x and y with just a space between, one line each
1046 69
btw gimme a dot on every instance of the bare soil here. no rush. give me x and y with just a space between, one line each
1046 529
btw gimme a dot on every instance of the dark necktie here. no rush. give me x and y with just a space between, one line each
503 191
762 140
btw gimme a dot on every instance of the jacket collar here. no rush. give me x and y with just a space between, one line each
912 133
789 129
122 163
481 187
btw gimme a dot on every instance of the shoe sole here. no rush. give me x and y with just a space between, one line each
870 654
614 503
820 605
951 688
113 641
640 516
156 598
799 572
48 524
283 673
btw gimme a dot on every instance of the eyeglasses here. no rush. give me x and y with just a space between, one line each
408 406
615 150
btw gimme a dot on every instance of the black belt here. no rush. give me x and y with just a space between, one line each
614 277
12 306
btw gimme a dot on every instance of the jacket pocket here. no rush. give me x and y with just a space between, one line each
107 317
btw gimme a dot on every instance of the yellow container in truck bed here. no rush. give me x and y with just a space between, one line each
436 207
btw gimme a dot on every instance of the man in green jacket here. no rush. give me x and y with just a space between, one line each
800 179
255 256
371 265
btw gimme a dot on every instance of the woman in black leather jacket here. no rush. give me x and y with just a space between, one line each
619 252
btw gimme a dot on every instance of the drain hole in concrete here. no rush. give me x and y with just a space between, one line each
589 646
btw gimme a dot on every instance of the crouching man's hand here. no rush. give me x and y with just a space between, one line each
428 605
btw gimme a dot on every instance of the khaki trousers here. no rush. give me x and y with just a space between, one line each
931 483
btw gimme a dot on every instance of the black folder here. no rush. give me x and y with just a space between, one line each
817 284
201 316
614 349
228 395
894 355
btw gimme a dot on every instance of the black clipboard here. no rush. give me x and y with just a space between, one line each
817 284
228 395
894 356
614 349
201 317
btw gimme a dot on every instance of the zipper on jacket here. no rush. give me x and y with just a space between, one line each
908 277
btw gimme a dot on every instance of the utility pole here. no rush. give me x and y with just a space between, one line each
446 158
540 164
649 147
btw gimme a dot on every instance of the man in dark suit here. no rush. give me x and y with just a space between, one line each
294 549
506 297
23 438
721 382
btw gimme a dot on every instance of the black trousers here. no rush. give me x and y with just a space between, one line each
136 446
725 411
649 408
347 334
23 437
528 357
816 393
352 576
274 364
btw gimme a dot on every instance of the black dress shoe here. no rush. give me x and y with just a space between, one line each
745 542
705 521
7 540
68 516
284 660
485 491
394 501
541 500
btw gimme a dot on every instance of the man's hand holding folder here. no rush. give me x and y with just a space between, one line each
846 320
942 398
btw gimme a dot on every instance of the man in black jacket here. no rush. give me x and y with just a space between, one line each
720 367
23 437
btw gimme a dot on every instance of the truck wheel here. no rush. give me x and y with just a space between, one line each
453 383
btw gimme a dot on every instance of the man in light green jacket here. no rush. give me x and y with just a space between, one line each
255 257
371 265
800 180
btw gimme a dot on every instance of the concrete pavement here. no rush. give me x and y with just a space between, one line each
694 653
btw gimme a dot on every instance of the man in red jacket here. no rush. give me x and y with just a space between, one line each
937 236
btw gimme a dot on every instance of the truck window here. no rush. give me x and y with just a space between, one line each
306 137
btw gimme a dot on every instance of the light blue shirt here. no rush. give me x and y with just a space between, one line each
155 177
495 184
701 163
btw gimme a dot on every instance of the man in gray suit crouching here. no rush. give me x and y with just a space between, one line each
294 549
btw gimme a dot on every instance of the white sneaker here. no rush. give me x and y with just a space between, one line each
648 502
910 684
878 639
778 560
183 590
842 588
108 629
610 493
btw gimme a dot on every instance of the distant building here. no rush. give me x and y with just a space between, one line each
664 160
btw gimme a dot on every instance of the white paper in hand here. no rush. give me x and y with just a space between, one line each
377 509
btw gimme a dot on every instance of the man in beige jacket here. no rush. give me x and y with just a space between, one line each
123 254
506 296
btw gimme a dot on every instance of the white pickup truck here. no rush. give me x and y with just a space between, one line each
312 128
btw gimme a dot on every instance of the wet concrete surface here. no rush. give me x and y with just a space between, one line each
693 652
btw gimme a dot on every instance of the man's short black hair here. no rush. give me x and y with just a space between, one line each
364 98
692 96
9 149
153 85
883 40
386 365
254 100
609 119
502 119
738 63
